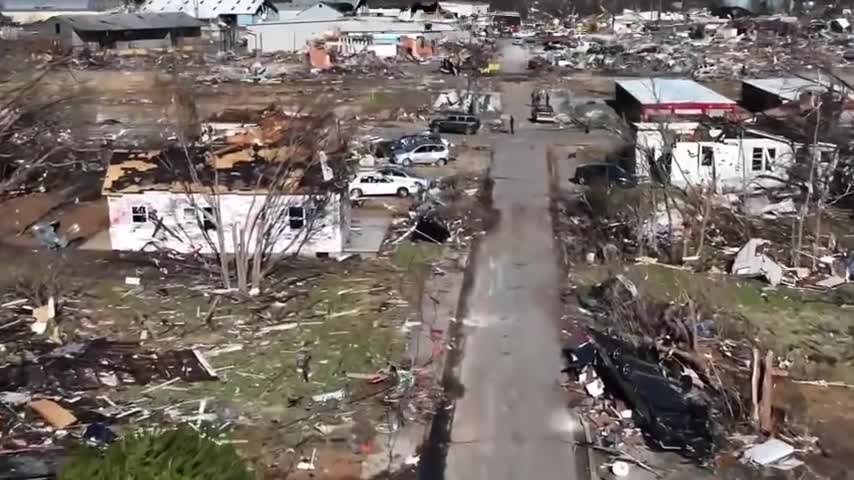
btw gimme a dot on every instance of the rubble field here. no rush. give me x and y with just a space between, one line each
344 321
708 321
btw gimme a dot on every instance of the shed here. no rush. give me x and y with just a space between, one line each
762 94
121 30
639 99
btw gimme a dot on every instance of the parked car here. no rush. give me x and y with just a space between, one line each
603 174
408 141
543 114
393 171
423 154
374 183
455 122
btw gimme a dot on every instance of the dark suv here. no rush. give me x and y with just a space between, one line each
603 174
455 122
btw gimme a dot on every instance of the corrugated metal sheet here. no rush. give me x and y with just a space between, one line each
205 8
651 91
787 88
129 21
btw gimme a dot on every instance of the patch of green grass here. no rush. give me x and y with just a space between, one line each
409 255
181 454
380 98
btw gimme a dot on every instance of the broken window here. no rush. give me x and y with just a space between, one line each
707 156
296 217
139 214
771 154
209 221
756 159
57 28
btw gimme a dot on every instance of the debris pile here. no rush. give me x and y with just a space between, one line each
695 44
623 226
52 389
658 395
449 212
661 372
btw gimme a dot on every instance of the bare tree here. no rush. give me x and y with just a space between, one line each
294 189
279 209
820 161
23 151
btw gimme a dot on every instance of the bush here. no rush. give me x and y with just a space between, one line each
181 454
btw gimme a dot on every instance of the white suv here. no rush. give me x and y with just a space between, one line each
424 153
375 183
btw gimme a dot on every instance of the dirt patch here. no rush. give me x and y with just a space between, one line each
20 212
824 412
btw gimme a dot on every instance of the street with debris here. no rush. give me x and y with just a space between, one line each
512 421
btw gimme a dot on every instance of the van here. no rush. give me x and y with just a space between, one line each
455 122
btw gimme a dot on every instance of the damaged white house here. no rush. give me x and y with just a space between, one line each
752 160
155 202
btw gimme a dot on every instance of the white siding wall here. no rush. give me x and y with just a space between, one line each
288 37
733 166
237 209
688 167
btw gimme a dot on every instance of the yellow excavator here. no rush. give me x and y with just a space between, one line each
491 68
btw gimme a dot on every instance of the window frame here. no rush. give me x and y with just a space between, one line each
704 149
292 220
760 159
208 225
189 215
137 211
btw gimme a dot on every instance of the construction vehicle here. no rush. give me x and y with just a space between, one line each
491 68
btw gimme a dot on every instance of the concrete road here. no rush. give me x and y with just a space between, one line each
512 421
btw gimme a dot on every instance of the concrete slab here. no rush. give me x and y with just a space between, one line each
100 241
367 231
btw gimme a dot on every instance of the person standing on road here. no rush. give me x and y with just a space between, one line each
512 125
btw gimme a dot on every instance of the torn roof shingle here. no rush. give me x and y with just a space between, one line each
652 91
238 172
205 8
129 21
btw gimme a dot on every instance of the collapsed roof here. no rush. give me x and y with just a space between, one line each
246 170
